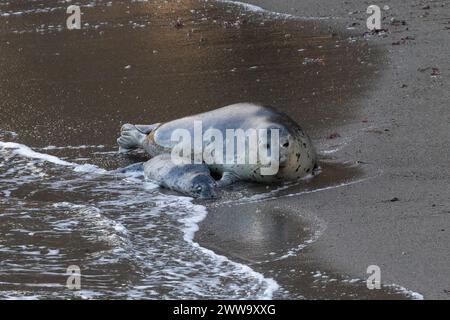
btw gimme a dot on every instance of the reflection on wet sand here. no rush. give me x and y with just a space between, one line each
147 62
258 229
130 63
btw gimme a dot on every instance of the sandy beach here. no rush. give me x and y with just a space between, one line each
375 105
398 217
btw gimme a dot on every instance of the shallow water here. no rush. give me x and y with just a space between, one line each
65 95
129 239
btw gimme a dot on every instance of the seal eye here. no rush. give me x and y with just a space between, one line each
286 145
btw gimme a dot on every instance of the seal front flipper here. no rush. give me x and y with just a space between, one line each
227 179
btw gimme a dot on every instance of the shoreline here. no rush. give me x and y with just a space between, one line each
376 110
399 219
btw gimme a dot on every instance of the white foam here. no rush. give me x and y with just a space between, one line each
109 230
267 196
27 152
17 295
191 223
412 294
8 133
399 289
23 150
258 9
259 197
294 251
73 147
252 7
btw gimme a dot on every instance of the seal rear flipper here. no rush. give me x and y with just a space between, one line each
131 138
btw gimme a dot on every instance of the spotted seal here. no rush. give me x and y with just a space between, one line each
296 155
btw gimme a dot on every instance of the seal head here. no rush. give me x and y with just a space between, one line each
203 187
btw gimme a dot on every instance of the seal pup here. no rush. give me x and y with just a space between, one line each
194 180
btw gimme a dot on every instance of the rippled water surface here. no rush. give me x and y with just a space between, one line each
65 95
129 239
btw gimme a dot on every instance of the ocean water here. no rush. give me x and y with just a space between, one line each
65 95
129 239
128 233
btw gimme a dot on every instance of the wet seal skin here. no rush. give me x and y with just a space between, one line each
191 179
296 155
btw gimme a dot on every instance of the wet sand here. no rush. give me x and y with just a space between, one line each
132 63
399 219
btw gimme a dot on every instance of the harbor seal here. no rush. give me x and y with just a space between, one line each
296 157
194 180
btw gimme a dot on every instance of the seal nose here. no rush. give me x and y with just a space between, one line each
208 193
214 193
